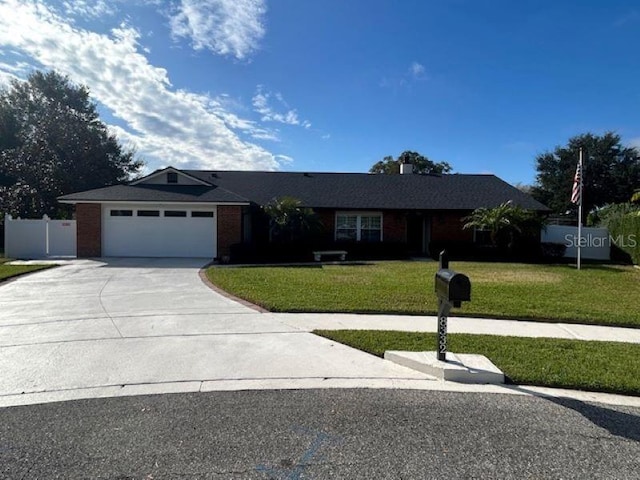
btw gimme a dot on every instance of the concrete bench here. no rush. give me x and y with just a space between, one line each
317 255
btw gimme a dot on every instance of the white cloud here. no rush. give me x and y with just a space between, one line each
6 77
88 8
416 70
13 71
166 125
285 158
635 142
98 8
225 27
262 105
415 73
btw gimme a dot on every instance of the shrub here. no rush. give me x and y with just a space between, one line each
552 250
625 231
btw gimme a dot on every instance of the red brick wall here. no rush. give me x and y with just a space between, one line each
89 229
394 226
229 227
448 226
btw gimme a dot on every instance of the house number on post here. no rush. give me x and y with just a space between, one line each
442 335
452 289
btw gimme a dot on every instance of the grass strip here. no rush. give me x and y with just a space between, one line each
597 294
10 271
610 367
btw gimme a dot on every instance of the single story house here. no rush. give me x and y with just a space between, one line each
197 213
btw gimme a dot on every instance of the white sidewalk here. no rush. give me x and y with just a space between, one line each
489 326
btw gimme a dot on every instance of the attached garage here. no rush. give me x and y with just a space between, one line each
130 230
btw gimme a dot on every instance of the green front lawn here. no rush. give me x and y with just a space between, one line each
596 366
9 271
599 294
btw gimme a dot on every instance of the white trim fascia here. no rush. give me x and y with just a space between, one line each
167 170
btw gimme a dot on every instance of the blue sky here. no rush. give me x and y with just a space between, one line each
335 85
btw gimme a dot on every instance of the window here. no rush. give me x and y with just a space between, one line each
347 227
121 213
175 213
172 177
481 236
202 214
148 213
366 227
370 228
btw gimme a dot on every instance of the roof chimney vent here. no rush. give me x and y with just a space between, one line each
406 169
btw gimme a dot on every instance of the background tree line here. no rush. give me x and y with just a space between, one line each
52 143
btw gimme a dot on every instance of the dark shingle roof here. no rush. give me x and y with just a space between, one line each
157 193
327 190
369 191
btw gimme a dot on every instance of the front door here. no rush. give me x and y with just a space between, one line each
418 233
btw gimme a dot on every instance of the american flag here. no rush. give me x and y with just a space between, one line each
576 193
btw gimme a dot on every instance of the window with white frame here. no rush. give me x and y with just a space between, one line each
359 227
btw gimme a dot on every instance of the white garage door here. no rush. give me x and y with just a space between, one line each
149 231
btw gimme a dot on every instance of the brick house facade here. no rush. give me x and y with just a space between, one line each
174 212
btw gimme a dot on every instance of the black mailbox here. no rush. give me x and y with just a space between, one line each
452 287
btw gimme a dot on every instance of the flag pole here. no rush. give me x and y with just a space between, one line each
580 210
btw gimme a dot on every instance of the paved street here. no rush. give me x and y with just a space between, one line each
318 434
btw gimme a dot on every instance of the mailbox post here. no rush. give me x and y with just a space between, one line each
452 289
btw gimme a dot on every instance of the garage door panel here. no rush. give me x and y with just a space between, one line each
160 236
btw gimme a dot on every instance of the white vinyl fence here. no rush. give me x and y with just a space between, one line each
26 238
596 242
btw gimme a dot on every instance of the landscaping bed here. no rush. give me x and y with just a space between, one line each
595 366
597 294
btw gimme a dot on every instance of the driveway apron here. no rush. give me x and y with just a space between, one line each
122 326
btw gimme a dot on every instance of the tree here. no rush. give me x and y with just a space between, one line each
604 216
52 142
421 164
611 173
504 222
289 221
523 187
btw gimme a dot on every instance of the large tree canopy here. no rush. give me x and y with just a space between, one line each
611 173
52 142
421 164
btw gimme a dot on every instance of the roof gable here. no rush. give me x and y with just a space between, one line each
157 194
161 177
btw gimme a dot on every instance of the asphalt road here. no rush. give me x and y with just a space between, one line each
318 434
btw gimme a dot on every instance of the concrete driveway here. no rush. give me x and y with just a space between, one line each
133 326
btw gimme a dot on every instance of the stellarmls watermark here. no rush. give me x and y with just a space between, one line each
598 241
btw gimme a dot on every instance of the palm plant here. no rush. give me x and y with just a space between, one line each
505 220
289 221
